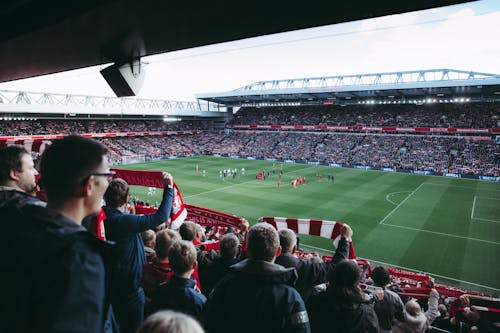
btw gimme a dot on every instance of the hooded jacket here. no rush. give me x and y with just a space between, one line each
256 296
56 282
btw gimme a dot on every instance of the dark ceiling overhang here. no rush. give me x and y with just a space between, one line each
44 37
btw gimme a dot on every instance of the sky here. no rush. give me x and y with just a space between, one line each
462 37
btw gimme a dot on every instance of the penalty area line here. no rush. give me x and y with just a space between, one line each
442 234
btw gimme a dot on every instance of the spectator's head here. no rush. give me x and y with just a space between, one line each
221 230
229 246
117 193
413 308
17 169
288 241
188 230
149 238
164 241
443 311
170 322
75 168
344 278
182 257
263 242
380 276
200 233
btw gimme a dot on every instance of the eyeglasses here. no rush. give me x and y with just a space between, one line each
109 175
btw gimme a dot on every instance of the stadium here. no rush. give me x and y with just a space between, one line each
410 160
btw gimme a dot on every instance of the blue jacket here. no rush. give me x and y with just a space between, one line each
125 230
179 294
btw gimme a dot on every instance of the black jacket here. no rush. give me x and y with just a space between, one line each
10 196
213 272
56 282
311 273
256 296
331 312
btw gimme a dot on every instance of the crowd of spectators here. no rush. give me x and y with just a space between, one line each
467 115
81 126
448 154
435 153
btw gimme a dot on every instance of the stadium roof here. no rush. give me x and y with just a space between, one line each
44 37
409 86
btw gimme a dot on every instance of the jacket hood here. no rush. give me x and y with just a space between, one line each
267 270
413 324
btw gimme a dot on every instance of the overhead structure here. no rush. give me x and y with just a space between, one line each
50 36
22 104
439 85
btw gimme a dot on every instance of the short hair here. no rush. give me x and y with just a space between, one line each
262 242
116 193
170 322
182 256
380 276
188 230
67 162
10 159
228 246
287 240
164 241
148 236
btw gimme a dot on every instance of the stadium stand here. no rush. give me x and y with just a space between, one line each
428 153
435 139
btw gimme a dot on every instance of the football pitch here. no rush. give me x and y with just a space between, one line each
446 227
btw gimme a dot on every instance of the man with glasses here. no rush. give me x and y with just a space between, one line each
56 282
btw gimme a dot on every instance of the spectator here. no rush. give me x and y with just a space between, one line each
391 306
149 240
179 293
310 272
343 307
258 288
125 229
229 249
170 322
17 177
478 321
418 321
56 282
158 270
200 235
447 323
188 231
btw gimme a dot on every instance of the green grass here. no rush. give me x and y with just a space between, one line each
447 227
